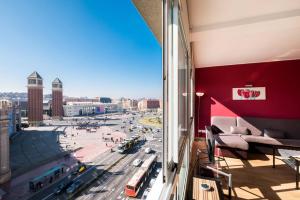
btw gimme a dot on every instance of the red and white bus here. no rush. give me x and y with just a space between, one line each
140 177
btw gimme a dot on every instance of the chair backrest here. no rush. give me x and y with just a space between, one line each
210 142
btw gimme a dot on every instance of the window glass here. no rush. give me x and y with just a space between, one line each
31 81
182 87
183 175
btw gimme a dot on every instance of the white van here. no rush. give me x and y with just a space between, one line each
148 150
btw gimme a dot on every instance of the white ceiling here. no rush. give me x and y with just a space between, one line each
248 31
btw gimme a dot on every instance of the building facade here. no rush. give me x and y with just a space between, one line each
83 108
5 172
57 99
35 99
129 104
148 105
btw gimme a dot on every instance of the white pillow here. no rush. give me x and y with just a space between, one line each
239 130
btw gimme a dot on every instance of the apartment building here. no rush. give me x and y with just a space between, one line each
5 173
149 105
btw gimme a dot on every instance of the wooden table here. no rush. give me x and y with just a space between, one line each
199 194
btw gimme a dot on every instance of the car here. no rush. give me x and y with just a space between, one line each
81 168
148 150
145 194
136 162
160 140
157 171
72 188
151 183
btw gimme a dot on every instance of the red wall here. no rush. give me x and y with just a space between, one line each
281 79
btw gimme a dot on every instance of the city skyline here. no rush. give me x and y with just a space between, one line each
23 96
92 56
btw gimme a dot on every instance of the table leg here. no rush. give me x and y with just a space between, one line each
273 157
297 174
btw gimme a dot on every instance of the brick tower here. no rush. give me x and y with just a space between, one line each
35 99
57 99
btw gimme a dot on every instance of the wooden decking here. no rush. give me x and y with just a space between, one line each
199 194
255 179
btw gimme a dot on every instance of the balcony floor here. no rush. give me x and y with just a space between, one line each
255 178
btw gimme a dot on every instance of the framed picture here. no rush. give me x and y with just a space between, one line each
249 93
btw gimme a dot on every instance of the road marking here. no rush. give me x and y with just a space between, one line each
47 196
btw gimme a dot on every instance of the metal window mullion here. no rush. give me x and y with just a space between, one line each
174 83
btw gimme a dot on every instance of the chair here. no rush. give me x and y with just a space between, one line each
212 164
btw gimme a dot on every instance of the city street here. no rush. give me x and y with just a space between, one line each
107 170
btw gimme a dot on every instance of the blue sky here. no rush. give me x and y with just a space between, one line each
96 47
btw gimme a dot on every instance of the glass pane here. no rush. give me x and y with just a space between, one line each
31 81
182 87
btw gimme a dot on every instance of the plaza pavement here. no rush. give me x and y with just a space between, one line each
37 149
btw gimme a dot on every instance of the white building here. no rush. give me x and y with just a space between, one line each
83 108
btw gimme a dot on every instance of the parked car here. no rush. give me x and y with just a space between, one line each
137 162
75 186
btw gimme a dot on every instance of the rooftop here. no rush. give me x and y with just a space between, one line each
35 75
57 80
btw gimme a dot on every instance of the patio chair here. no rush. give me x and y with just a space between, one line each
213 161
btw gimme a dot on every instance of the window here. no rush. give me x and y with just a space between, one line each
178 87
31 81
182 86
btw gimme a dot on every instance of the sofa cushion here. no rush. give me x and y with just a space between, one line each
239 130
274 133
223 123
254 131
261 140
231 140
